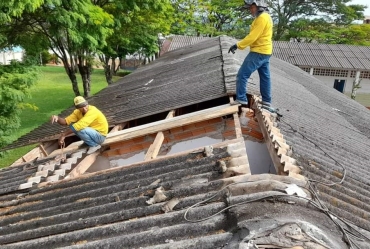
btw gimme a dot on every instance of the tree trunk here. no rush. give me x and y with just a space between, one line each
113 66
107 68
85 72
108 74
72 76
118 66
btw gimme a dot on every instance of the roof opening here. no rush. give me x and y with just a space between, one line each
260 161
195 136
178 112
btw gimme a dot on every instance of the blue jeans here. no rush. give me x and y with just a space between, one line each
254 61
90 136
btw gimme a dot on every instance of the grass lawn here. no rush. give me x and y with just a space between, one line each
52 94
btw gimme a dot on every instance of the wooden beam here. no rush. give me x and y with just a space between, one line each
238 128
43 150
84 165
69 148
29 156
89 160
156 145
118 127
158 126
167 124
170 114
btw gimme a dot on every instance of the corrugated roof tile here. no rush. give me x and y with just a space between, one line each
324 54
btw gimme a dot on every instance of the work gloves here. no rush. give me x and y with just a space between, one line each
233 48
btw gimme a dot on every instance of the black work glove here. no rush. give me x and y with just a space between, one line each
233 48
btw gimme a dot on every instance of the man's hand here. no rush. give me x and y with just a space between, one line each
61 139
233 48
54 119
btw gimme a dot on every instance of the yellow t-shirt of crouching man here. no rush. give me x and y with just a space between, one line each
93 118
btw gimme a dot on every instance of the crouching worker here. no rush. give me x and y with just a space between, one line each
87 122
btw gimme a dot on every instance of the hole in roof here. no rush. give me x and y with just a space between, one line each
193 144
259 158
185 138
179 111
130 159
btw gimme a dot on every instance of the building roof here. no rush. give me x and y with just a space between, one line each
336 56
110 209
326 129
328 137
180 78
180 41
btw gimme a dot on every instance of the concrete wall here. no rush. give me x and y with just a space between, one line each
329 81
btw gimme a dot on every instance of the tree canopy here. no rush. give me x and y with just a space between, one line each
210 17
286 13
78 30
136 30
15 81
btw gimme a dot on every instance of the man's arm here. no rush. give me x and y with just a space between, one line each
57 119
61 121
63 136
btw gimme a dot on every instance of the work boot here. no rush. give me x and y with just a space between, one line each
236 102
264 103
93 149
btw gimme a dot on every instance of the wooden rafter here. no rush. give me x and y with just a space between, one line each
167 124
156 145
238 128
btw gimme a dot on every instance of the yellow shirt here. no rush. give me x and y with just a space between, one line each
260 35
93 118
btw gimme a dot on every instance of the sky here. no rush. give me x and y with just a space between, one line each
363 2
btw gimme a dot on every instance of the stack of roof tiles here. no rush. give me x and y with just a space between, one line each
109 209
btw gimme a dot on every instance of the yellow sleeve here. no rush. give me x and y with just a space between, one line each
85 121
72 118
257 28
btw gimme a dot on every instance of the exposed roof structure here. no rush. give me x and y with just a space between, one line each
336 56
322 138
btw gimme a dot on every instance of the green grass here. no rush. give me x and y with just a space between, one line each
362 98
52 94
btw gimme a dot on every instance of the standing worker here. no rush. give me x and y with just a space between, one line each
87 122
259 40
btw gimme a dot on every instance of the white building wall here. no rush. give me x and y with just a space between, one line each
329 81
6 57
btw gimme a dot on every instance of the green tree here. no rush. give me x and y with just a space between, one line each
319 30
210 17
310 30
355 34
74 30
138 26
15 81
285 12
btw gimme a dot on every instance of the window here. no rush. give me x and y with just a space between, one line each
330 72
306 69
363 74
